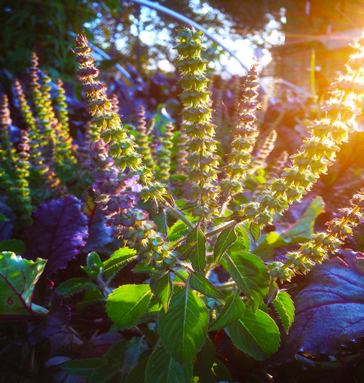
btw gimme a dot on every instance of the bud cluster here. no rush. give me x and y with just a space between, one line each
143 147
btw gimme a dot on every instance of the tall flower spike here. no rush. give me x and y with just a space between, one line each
20 191
245 134
317 249
5 143
64 149
6 146
318 151
143 147
263 150
164 154
23 105
122 148
182 153
197 119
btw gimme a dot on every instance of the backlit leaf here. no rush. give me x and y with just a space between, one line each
118 260
233 310
198 252
256 334
226 238
163 290
18 277
285 308
199 283
127 304
183 328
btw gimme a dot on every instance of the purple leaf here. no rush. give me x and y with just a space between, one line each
58 232
330 310
57 318
99 233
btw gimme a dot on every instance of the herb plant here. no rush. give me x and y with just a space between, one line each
174 302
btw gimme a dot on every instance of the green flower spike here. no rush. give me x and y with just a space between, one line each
164 154
321 244
142 141
319 150
245 134
197 123
23 106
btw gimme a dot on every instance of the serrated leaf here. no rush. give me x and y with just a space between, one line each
199 283
74 285
285 308
198 252
14 245
243 241
255 231
226 238
183 328
162 368
118 260
163 290
18 277
82 367
256 334
233 310
177 231
127 304
250 274
160 220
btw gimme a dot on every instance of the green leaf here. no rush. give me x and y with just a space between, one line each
226 238
256 334
118 260
74 285
82 367
233 310
250 274
299 232
14 245
243 241
177 231
204 361
162 368
302 229
183 328
137 373
285 308
198 253
161 221
199 283
163 290
127 304
255 231
18 277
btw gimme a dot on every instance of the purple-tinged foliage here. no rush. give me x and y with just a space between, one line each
99 234
330 310
58 232
57 318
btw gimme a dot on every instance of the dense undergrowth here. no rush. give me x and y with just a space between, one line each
167 254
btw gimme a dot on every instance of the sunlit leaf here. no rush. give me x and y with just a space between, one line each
285 308
183 328
127 304
18 277
256 334
163 290
198 253
226 238
233 310
199 283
